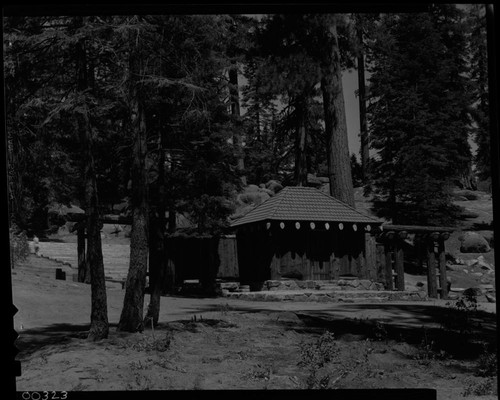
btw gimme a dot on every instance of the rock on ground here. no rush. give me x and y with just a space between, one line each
472 242
273 185
468 194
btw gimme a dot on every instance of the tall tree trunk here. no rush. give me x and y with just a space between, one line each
339 167
172 220
156 268
392 202
300 172
467 179
131 318
99 326
483 136
363 125
157 243
83 271
169 280
257 124
235 111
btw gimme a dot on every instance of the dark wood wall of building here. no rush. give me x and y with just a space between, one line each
256 256
305 255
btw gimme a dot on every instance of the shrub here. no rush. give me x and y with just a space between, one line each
380 331
223 308
314 356
261 372
151 343
487 365
481 388
427 350
460 315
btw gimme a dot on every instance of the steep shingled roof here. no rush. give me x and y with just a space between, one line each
300 203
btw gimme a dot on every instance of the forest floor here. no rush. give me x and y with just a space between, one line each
222 343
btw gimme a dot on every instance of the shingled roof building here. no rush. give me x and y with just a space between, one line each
303 233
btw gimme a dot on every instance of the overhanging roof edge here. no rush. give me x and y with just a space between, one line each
273 213
332 221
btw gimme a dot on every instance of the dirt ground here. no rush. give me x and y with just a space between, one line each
218 343
221 343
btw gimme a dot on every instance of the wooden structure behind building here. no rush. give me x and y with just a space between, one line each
429 244
201 258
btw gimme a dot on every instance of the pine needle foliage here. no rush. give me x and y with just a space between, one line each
419 124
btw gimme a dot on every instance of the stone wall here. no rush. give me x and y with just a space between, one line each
338 284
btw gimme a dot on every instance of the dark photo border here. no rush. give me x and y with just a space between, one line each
13 368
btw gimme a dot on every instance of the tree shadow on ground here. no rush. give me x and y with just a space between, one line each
459 345
411 323
61 334
417 324
443 328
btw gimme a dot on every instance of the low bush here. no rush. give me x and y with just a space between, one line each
459 317
480 388
314 356
427 351
487 363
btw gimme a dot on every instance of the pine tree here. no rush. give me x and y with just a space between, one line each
43 168
131 318
238 44
302 54
99 327
193 164
204 177
339 171
164 73
418 120
479 77
364 148
291 75
264 145
364 25
157 228
55 101
357 171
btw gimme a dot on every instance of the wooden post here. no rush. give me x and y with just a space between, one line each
442 268
307 266
399 265
275 266
380 263
419 247
431 269
370 256
170 278
345 265
363 271
388 267
335 263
